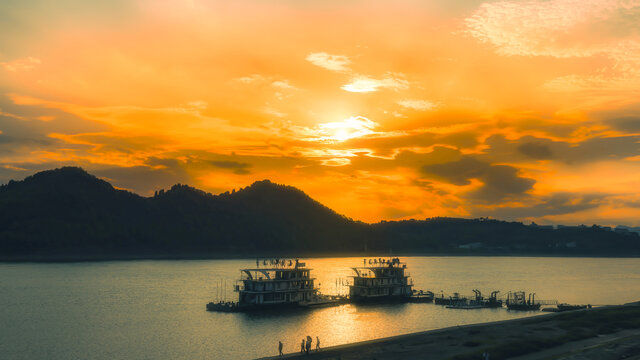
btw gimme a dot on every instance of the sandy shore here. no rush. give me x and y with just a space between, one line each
611 332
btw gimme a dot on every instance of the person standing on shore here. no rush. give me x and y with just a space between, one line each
317 343
280 347
302 346
309 340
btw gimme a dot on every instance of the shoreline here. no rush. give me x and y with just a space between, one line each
244 256
502 339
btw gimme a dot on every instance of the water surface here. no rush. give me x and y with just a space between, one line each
156 309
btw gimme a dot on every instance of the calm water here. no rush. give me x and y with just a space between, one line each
156 309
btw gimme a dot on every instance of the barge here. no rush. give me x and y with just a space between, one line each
518 300
456 298
479 302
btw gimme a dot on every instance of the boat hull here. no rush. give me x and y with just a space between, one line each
235 307
379 299
523 307
447 301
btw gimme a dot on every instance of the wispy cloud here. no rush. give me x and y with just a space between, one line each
362 83
271 111
238 168
24 64
283 84
330 62
337 131
558 28
421 105
570 29
335 162
251 79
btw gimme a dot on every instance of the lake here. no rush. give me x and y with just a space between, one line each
156 309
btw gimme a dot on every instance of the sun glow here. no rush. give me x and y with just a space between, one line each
353 127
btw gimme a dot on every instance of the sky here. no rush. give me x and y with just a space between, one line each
381 110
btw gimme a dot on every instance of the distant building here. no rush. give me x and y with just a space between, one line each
474 245
621 229
570 226
547 227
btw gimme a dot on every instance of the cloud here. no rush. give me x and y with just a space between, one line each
421 105
283 88
565 29
362 83
335 162
159 174
237 167
283 84
559 203
597 148
251 79
535 150
551 28
330 62
198 105
499 182
274 112
13 116
24 64
338 131
627 123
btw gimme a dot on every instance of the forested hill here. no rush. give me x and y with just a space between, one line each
68 213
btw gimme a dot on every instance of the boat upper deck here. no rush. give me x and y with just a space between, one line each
381 268
277 270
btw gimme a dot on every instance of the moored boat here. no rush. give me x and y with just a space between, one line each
381 280
449 300
422 296
278 283
518 300
466 305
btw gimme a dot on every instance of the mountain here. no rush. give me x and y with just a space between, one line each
68 213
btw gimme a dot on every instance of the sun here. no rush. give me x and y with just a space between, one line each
353 127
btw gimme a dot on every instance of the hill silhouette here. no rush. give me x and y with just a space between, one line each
68 213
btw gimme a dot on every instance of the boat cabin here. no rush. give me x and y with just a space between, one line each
278 282
380 279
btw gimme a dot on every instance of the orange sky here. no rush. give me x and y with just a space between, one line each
525 110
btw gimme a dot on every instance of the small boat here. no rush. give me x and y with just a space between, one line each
448 300
422 297
466 305
491 302
324 301
517 300
479 302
